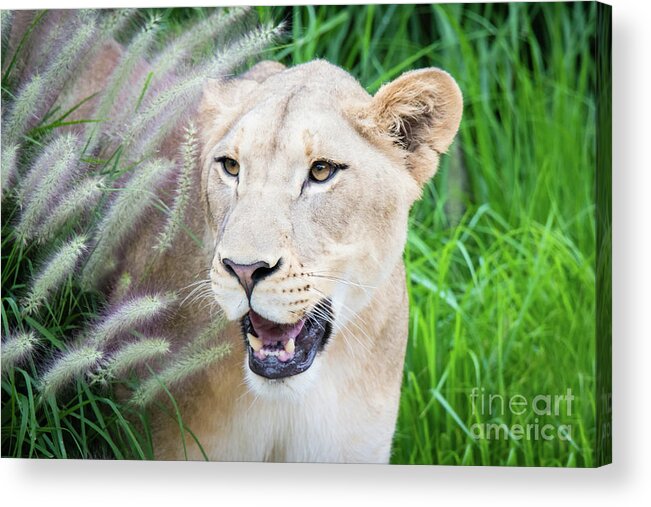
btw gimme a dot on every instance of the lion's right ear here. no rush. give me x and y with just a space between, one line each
222 102
224 99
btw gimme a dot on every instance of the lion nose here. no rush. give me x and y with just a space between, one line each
249 274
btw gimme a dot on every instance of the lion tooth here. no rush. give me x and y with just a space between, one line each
290 345
255 342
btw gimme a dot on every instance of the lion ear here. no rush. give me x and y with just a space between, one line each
263 70
224 99
221 103
420 111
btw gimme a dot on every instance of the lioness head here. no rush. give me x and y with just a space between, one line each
307 182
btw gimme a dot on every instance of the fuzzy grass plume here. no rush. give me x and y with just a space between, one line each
201 352
66 58
23 111
6 18
78 200
207 32
121 218
135 354
189 153
134 53
55 150
48 77
183 368
133 313
42 185
107 28
17 348
163 112
56 271
74 364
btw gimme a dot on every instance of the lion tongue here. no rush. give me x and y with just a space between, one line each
271 332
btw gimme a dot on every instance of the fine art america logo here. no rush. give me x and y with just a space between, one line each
540 415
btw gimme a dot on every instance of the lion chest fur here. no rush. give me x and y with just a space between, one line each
327 425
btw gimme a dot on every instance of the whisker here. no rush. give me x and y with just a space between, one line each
342 327
328 276
352 316
200 286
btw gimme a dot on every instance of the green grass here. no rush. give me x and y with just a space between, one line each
501 250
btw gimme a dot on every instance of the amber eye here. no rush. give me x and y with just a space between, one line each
230 166
322 171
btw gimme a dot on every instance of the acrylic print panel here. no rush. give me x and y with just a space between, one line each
372 233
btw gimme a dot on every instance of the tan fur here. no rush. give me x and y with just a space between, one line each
342 239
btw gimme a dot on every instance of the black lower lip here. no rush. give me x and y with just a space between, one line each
309 342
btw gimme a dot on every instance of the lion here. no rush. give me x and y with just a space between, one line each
301 200
306 184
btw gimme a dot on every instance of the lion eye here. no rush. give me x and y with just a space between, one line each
322 171
230 166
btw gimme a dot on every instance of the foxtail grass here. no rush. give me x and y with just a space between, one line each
41 187
124 214
55 151
182 369
205 33
133 313
189 160
60 267
77 201
66 57
23 111
73 364
164 111
119 79
16 349
6 18
135 354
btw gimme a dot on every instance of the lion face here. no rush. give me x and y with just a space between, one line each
307 183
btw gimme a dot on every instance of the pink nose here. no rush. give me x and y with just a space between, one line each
249 274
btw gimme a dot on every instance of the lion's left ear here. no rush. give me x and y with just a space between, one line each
421 111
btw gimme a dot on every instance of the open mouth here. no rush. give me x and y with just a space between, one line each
282 350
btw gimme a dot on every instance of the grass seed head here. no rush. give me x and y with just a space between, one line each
129 315
81 198
23 111
75 363
135 354
181 369
57 270
175 219
117 89
55 168
122 217
17 348
209 31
